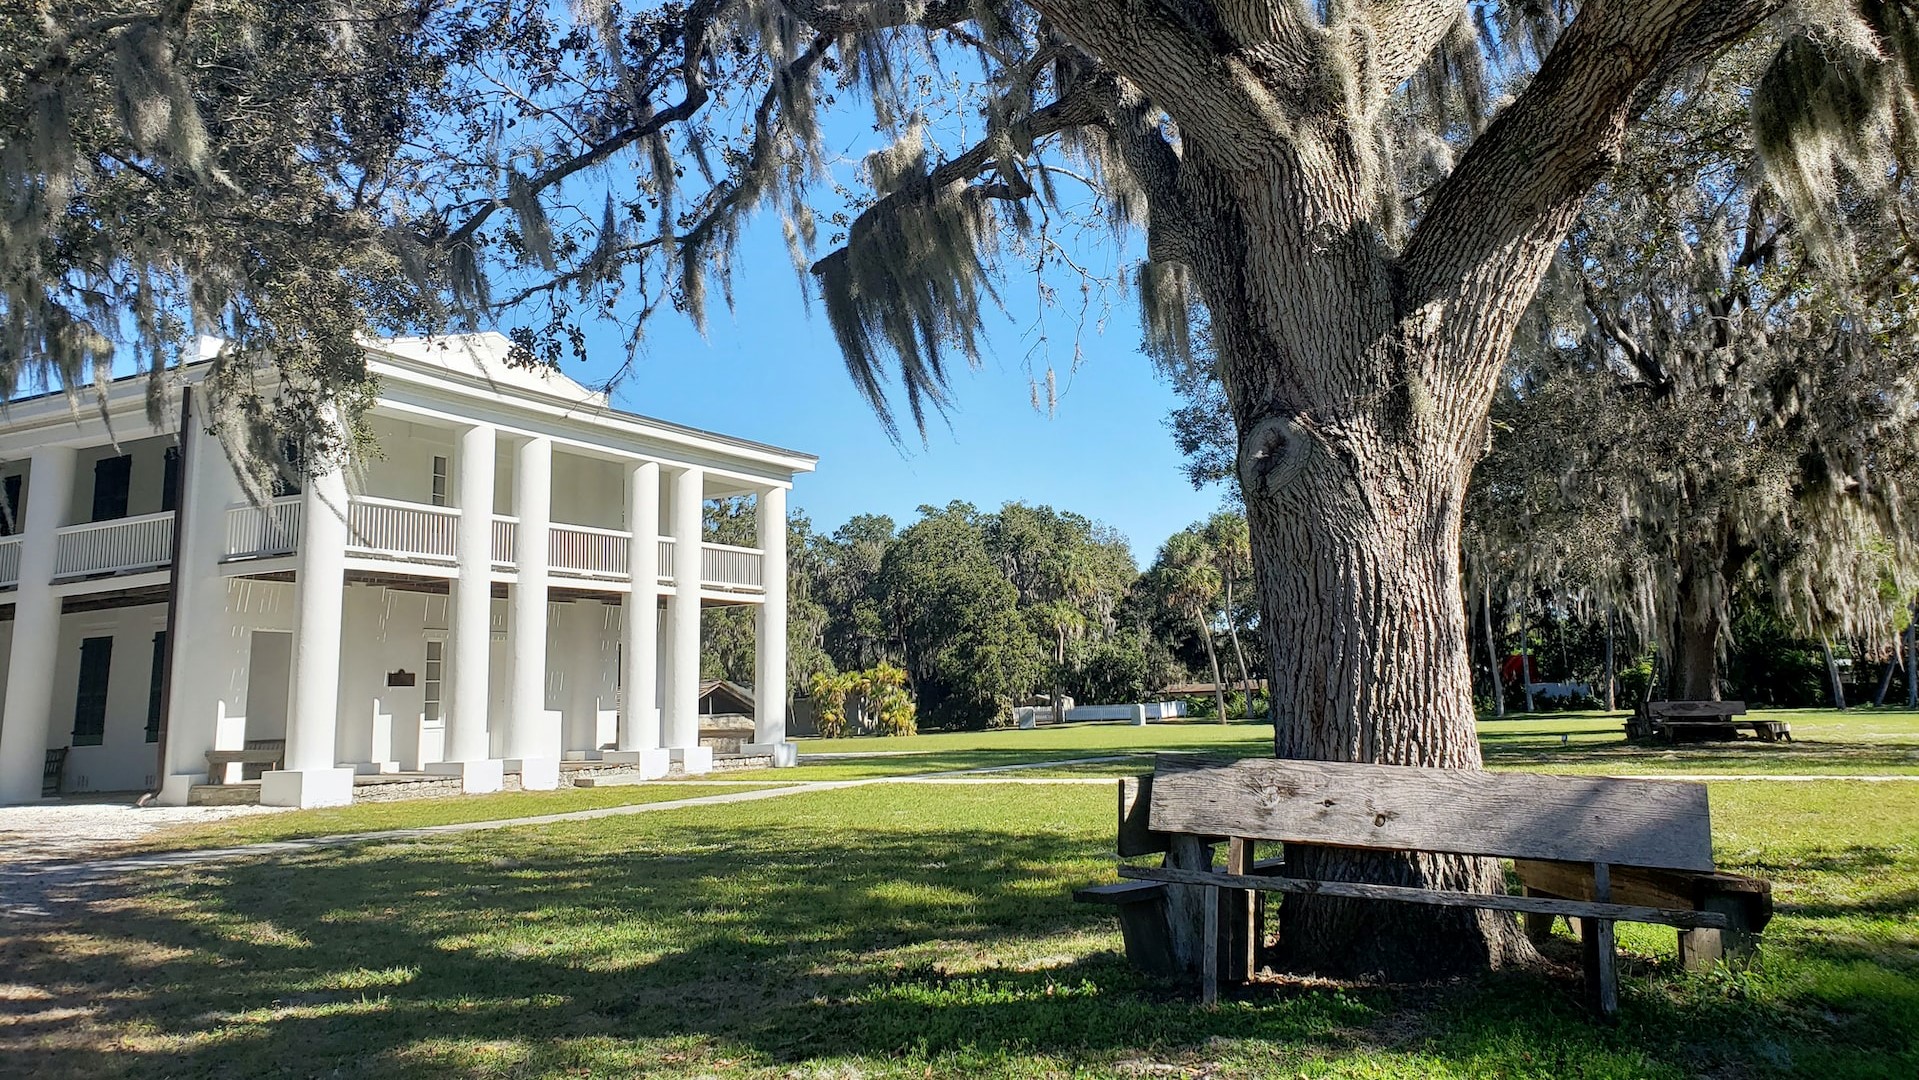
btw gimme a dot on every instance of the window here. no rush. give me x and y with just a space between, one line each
111 477
154 684
90 708
430 680
170 480
10 522
291 472
439 481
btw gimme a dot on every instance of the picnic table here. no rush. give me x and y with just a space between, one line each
1674 720
1594 850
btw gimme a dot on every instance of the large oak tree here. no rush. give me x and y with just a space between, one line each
1362 197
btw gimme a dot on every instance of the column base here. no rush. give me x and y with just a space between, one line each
307 788
536 773
651 764
693 760
476 777
174 789
375 768
785 755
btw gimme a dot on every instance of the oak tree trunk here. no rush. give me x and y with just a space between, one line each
1611 676
1695 651
1492 653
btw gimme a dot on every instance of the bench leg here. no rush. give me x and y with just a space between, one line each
1241 940
1700 949
1539 927
1148 937
1602 967
1209 955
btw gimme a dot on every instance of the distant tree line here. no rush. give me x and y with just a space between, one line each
986 610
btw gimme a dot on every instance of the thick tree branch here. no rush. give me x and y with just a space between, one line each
1520 183
1405 33
864 16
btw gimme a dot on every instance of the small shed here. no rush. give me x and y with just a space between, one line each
726 715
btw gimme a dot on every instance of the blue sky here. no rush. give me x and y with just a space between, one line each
769 370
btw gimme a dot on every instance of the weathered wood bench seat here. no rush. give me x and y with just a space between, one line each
1593 849
1702 719
269 753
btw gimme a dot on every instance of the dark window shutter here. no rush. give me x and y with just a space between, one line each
111 479
10 520
90 708
154 684
170 480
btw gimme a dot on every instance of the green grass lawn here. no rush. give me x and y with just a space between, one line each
415 813
898 930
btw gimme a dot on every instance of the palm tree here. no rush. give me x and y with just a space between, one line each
1191 584
1231 545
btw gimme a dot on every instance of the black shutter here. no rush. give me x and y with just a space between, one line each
111 478
154 683
170 480
10 522
90 708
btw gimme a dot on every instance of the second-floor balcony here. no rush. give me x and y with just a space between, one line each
128 545
428 535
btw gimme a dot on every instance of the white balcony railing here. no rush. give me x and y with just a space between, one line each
255 532
724 566
9 562
666 560
505 531
586 551
402 530
113 547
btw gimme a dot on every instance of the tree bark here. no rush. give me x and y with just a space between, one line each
1212 660
1526 665
1612 680
1885 679
1912 658
1832 674
1695 652
1492 653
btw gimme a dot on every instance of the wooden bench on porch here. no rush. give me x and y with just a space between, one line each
1592 849
1670 720
263 753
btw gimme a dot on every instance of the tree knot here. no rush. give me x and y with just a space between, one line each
1271 454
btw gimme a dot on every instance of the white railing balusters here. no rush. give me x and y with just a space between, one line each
9 562
255 532
402 530
112 547
588 552
505 531
724 566
666 560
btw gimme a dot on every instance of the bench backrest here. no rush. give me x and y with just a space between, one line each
1696 708
1510 815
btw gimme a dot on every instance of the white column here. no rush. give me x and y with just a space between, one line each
769 636
36 628
640 627
206 710
682 721
532 736
311 776
469 699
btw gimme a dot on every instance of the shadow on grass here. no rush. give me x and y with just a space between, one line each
777 942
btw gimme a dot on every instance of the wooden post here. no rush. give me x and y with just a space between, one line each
1187 909
1596 941
1209 945
1242 937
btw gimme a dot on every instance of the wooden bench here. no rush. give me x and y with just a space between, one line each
1702 719
1656 834
267 753
53 776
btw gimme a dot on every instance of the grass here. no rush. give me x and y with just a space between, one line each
898 930
905 929
414 814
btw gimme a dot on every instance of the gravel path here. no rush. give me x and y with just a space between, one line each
71 829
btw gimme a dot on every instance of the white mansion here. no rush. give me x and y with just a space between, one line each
513 580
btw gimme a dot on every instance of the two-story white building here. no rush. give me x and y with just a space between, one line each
514 579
